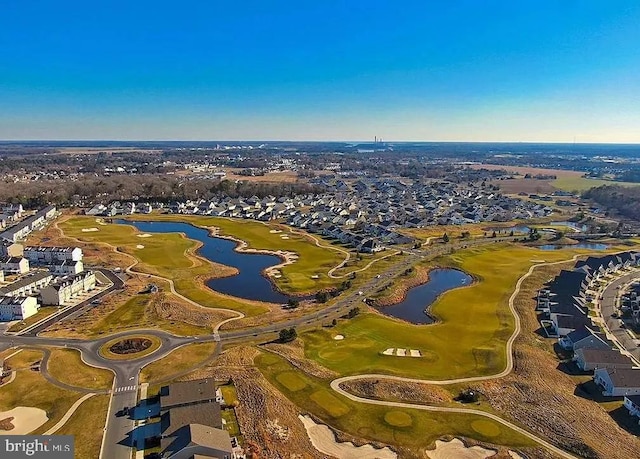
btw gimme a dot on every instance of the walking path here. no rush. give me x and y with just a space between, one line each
68 414
336 383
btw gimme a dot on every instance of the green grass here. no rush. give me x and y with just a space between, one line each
182 359
469 340
291 381
373 422
296 278
86 426
66 366
582 184
231 423
30 388
134 313
229 394
163 255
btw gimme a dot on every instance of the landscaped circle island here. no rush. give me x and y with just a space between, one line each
130 347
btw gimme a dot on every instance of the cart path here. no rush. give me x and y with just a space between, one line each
336 383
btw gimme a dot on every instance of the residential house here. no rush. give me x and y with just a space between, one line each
591 359
27 285
17 307
14 265
64 289
618 382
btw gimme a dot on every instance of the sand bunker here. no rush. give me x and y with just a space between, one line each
145 235
284 237
89 230
100 221
139 246
323 439
515 455
338 337
315 276
25 420
455 448
275 231
402 352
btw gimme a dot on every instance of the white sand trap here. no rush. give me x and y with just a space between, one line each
26 419
284 237
515 455
89 230
338 337
139 246
323 439
315 276
275 231
277 276
401 352
415 353
389 351
100 221
145 235
455 448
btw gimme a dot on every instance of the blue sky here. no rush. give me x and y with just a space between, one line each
331 70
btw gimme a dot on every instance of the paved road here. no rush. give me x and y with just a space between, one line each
118 438
608 305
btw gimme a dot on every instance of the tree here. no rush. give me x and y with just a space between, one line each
334 322
322 297
493 235
287 335
293 303
445 238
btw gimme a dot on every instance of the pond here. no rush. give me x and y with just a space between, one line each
249 283
576 226
419 299
580 245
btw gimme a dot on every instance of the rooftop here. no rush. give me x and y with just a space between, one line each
187 392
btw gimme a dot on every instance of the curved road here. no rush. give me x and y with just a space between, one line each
336 383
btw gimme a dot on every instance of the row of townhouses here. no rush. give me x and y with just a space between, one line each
40 276
563 305
21 229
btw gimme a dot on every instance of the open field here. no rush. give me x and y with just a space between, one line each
566 180
31 389
166 255
182 359
66 366
296 277
418 430
138 312
476 318
86 425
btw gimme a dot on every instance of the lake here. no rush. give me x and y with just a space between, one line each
580 245
249 283
418 299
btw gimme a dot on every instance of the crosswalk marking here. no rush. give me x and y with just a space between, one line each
126 389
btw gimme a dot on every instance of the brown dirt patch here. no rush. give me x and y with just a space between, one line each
7 424
384 389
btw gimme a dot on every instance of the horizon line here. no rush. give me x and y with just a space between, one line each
525 142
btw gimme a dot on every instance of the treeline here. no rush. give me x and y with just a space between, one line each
623 200
156 188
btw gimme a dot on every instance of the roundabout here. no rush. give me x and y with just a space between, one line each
130 347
